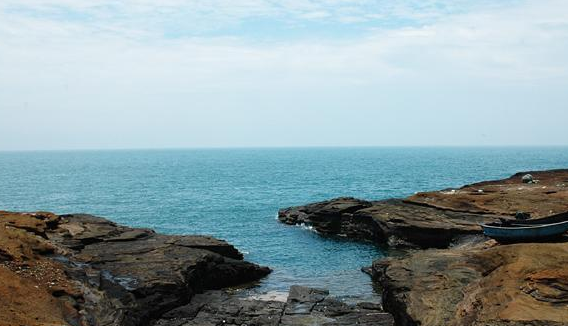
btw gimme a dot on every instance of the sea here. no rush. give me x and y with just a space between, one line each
235 194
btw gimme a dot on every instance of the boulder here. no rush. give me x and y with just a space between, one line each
527 178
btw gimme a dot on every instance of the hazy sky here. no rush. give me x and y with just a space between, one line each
224 73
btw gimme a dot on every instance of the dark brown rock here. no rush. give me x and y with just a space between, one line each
386 221
90 271
422 226
435 219
304 307
326 217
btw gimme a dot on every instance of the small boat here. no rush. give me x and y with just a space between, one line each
527 230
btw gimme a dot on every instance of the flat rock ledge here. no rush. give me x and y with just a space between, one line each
304 307
459 278
390 222
435 219
478 284
85 270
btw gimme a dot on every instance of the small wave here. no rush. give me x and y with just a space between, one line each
308 227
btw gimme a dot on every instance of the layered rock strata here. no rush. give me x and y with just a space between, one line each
546 195
390 221
470 280
479 283
435 219
86 270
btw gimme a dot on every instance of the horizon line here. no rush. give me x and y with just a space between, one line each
276 147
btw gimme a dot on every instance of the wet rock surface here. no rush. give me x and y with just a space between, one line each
304 306
329 217
85 270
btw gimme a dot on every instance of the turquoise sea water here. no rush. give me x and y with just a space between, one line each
234 194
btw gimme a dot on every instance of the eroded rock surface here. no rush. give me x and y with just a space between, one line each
481 283
304 307
473 281
435 219
547 196
387 221
85 270
331 217
32 285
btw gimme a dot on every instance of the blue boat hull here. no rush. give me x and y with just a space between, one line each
523 232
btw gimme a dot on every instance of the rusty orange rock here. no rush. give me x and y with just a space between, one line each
548 196
28 279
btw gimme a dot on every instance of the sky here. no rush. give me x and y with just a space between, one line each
101 74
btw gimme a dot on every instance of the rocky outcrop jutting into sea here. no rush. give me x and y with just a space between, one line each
389 221
469 281
86 270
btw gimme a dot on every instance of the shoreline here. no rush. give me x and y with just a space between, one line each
80 269
451 274
84 270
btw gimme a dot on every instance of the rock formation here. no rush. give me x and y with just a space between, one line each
304 307
547 195
479 283
85 270
473 281
435 219
388 221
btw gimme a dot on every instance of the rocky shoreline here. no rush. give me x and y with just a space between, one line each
390 222
85 270
451 274
303 307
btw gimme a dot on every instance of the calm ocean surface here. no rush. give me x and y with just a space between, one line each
234 194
